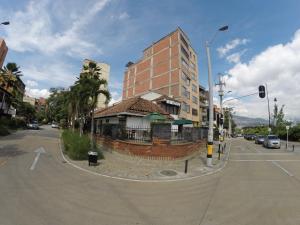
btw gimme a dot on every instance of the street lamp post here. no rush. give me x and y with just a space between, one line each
210 137
287 136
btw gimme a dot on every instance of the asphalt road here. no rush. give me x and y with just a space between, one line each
257 186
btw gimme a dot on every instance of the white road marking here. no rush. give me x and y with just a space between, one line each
38 151
286 171
265 160
262 153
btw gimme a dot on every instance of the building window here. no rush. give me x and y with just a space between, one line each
192 65
194 88
185 92
184 63
185 52
184 41
170 109
193 76
185 107
195 112
186 79
195 100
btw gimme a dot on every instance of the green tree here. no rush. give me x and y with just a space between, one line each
9 75
279 122
24 109
91 85
57 106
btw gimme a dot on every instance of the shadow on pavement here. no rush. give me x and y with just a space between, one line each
10 151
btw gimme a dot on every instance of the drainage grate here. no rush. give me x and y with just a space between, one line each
168 173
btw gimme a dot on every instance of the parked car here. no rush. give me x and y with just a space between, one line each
54 125
33 125
272 141
259 139
250 137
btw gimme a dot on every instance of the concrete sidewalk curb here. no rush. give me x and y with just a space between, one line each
141 180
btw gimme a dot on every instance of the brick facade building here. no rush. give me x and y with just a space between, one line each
3 52
169 67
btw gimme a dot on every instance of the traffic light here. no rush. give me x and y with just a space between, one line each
221 119
261 91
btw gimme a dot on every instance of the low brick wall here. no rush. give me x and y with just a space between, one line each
158 149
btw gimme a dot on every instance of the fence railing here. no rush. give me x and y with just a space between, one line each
145 134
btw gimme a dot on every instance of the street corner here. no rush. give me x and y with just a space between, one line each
132 168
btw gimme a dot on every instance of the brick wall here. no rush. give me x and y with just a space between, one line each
159 149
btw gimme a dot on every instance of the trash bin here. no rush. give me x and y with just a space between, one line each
93 158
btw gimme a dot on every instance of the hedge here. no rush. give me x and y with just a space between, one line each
77 147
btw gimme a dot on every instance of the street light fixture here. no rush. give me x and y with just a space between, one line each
210 137
5 23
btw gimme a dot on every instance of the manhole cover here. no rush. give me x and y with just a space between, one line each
168 172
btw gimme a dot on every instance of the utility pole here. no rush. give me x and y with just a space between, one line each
275 112
221 85
229 123
269 129
210 137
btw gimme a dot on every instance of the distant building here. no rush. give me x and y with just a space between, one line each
41 104
105 71
30 100
170 105
3 51
169 67
17 89
7 91
203 106
38 103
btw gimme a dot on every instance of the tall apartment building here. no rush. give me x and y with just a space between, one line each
169 67
3 52
105 70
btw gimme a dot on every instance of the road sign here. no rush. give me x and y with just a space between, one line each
287 127
269 129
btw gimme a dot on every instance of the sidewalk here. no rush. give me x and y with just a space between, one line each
131 167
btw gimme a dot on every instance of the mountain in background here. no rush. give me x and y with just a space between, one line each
243 121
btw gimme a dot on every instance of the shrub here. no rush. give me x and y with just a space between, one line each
77 147
294 133
12 123
3 130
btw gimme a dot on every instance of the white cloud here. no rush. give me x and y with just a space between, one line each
115 97
32 30
235 57
31 83
224 50
37 93
279 67
123 16
56 73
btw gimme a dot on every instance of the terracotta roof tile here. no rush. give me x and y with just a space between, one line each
135 105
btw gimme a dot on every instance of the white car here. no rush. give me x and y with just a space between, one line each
54 125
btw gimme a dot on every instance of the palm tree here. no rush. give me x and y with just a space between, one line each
73 96
92 85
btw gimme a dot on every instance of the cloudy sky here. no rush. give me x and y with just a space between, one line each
50 38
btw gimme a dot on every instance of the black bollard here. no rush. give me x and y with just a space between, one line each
186 166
